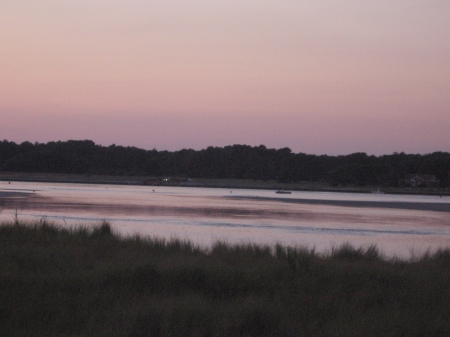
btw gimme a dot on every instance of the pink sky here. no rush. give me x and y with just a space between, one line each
328 77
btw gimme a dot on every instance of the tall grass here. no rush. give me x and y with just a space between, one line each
88 281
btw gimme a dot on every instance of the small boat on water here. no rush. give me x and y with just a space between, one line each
283 192
378 191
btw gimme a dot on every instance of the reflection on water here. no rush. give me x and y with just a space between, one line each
398 225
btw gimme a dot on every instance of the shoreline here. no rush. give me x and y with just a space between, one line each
212 183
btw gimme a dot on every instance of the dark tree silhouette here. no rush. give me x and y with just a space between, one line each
230 162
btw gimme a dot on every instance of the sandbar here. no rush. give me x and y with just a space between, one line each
419 206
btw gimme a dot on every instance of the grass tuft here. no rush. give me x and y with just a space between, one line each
104 229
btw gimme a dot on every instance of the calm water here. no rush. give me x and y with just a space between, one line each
398 225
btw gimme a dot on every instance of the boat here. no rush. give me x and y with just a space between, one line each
283 192
378 191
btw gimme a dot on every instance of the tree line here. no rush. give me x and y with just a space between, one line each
229 162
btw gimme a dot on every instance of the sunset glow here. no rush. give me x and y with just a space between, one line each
329 77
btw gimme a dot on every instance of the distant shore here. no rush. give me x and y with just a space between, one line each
212 183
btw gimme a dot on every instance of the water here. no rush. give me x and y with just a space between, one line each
400 225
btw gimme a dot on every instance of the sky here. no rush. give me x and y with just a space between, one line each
320 77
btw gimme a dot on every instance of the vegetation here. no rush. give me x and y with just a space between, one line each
90 282
229 162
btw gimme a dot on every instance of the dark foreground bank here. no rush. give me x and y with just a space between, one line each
90 282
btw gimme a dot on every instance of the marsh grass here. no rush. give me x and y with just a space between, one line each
89 281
